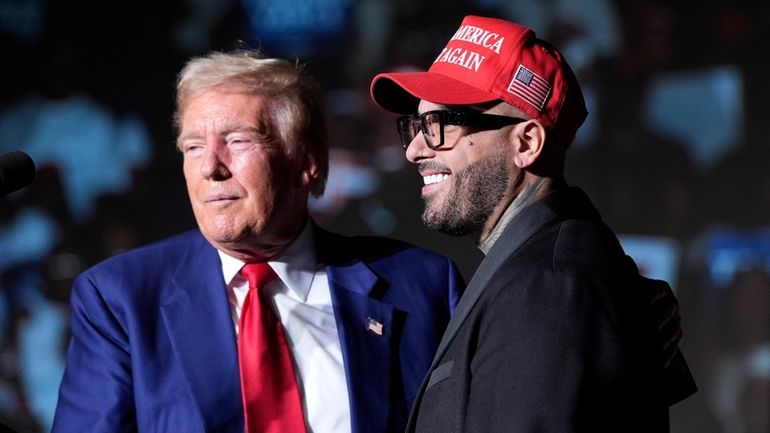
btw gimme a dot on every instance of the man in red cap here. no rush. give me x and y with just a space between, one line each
550 335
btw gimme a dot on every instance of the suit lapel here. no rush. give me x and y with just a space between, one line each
367 355
531 220
200 327
557 206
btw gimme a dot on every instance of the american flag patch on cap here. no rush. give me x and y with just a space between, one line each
530 87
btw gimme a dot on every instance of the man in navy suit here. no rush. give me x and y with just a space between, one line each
154 330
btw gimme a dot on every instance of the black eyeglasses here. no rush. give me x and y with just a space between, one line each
431 124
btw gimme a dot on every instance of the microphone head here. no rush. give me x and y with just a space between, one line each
16 171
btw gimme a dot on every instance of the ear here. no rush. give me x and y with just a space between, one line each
529 140
309 172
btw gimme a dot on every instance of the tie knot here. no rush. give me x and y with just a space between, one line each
258 274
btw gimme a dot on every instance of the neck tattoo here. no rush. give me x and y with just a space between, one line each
530 194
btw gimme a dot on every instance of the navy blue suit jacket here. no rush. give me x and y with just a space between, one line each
153 347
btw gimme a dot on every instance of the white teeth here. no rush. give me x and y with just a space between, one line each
434 178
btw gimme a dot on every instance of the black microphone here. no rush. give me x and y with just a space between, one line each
16 171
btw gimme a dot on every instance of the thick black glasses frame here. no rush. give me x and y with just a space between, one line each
407 129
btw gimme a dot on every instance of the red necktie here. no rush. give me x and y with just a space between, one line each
271 398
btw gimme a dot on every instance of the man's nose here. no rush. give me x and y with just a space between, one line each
418 149
214 164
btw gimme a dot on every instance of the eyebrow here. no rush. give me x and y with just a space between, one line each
241 128
436 108
228 129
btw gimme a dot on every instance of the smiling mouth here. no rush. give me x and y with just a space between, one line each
434 178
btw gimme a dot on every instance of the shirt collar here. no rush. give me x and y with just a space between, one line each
295 265
514 209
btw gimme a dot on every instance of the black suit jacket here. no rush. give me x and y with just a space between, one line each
553 334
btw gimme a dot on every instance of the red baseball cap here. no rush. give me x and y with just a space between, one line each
490 59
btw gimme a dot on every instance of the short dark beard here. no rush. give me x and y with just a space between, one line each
475 192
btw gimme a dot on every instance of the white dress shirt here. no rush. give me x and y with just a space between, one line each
303 302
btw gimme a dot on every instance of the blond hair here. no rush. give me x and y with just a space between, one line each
296 106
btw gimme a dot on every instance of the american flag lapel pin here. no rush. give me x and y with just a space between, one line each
374 326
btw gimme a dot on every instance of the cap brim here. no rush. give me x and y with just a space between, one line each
401 92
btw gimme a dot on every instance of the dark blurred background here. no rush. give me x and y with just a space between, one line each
675 154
